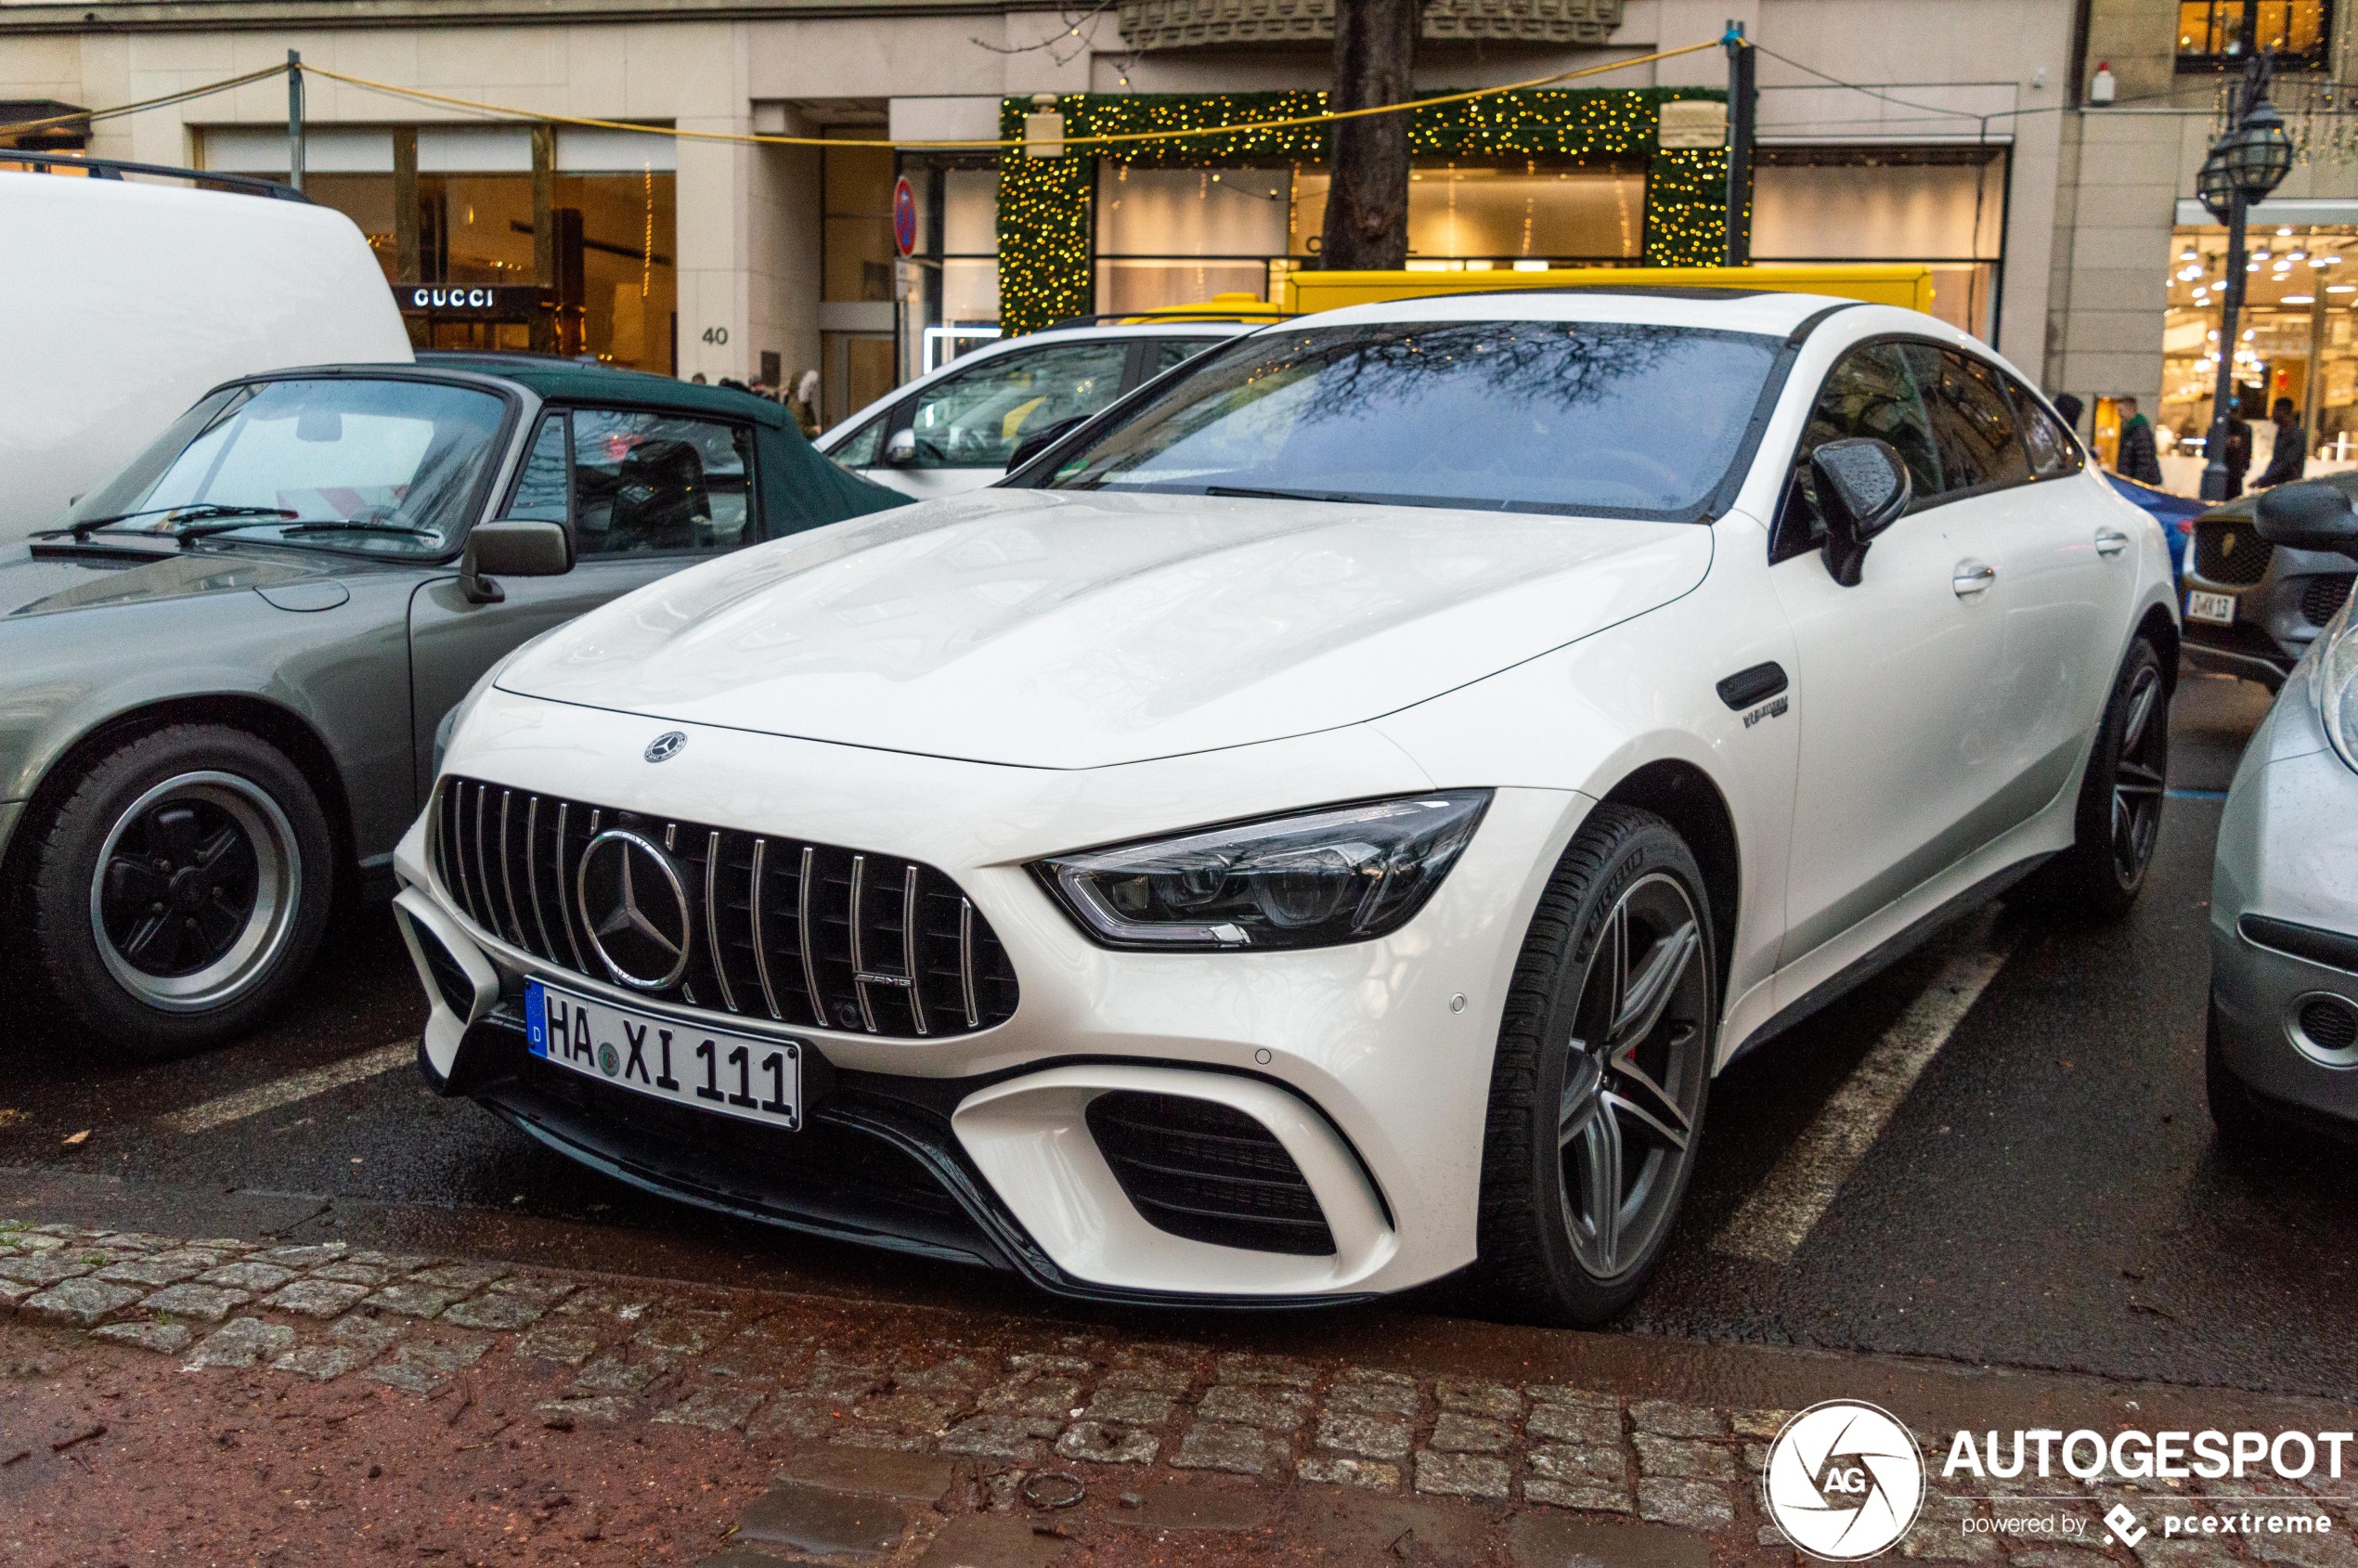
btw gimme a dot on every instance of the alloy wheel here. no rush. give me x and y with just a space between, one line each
1634 1076
195 891
2137 777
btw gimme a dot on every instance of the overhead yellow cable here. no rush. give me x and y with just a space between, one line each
760 139
84 116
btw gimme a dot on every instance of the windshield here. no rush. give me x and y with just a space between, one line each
391 467
1617 419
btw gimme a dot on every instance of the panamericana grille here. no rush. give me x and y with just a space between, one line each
2322 597
2231 552
799 933
1208 1172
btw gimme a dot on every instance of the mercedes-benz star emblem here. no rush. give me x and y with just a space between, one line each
666 746
635 906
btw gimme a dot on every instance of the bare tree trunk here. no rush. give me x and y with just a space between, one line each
1367 200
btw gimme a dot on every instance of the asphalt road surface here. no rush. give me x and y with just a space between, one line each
1996 1153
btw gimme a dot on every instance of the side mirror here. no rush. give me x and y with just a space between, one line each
513 549
901 449
1032 447
2310 514
1862 489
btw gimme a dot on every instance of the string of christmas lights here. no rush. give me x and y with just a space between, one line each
1047 206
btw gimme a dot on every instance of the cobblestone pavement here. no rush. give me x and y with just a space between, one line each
357 1406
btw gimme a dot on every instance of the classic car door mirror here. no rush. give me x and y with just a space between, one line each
1032 447
901 449
2310 514
1862 489
513 548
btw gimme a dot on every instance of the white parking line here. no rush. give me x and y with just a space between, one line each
287 1090
1780 1213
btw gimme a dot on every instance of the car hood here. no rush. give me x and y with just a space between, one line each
1063 629
46 584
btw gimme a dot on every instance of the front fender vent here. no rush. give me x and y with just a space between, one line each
808 935
1208 1172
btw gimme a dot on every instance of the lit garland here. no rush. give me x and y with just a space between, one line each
1048 205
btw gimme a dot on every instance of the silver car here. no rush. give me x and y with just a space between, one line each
220 681
2284 901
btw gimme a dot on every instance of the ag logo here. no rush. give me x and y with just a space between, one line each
1845 1481
608 1060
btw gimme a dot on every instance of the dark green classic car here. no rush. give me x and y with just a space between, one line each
220 681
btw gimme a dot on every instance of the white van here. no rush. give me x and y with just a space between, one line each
123 302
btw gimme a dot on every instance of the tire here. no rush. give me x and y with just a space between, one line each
2243 1127
1584 1104
179 892
2119 820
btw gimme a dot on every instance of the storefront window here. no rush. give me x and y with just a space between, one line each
857 339
2211 33
1942 206
2297 340
1181 236
613 205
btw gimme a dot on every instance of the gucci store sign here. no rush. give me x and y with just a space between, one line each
460 299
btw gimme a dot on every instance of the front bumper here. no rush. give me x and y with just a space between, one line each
1369 1064
2284 890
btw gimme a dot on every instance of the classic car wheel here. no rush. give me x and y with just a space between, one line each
2119 812
180 890
1604 1069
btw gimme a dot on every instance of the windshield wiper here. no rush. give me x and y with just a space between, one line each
1278 495
346 527
82 529
208 530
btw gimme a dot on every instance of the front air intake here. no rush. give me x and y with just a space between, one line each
1208 1172
2329 1024
2322 597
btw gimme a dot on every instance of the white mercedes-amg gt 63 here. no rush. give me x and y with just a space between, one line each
1320 826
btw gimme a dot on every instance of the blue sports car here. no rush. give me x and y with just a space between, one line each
2176 513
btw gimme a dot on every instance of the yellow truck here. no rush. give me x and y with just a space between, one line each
1301 292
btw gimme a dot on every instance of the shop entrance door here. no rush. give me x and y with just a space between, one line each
858 370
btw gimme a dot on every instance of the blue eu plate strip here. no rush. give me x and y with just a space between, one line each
536 1018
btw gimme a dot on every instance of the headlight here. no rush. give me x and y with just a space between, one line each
2336 681
1344 873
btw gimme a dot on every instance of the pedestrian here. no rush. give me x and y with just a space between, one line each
2290 457
2238 450
2069 407
2138 458
698 377
803 403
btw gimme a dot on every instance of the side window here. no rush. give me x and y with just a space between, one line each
1869 392
644 482
977 418
1167 352
540 489
862 449
1972 423
2051 450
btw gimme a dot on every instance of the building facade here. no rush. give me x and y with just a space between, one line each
2136 302
1939 131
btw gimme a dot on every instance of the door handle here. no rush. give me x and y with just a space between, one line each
2111 541
1972 578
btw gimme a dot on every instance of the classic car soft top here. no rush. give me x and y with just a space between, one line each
814 489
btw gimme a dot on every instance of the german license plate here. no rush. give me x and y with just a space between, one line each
729 1074
2219 608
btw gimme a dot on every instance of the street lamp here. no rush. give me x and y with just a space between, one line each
2243 166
